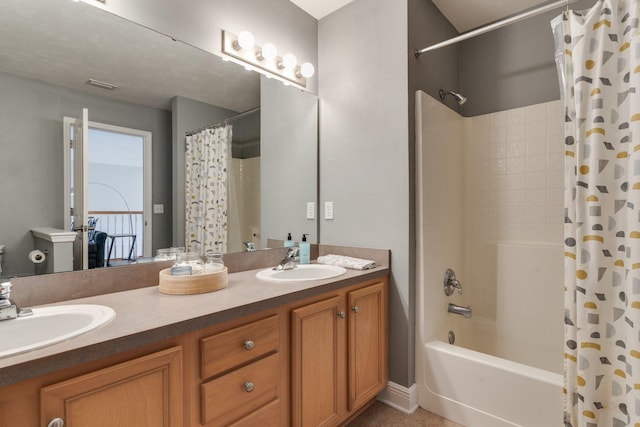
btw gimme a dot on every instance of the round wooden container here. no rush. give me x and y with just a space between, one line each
196 284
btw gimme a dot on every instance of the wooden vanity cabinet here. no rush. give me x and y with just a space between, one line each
312 362
146 391
338 354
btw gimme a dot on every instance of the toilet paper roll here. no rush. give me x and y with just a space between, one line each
37 256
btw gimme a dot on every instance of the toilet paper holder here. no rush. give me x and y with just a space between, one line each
37 256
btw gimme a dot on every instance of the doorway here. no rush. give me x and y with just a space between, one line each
118 190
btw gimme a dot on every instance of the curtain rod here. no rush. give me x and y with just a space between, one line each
225 122
495 25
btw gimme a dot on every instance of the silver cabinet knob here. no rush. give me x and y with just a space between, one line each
355 309
342 314
249 386
248 345
56 422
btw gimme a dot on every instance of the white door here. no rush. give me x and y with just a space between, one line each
79 154
120 187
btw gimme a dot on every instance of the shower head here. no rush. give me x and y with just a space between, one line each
459 98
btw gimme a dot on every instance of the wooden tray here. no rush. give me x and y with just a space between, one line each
196 284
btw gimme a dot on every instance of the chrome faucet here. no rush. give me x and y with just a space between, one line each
456 309
451 283
290 261
8 308
249 246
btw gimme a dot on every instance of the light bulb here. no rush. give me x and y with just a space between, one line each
288 61
306 70
245 41
268 52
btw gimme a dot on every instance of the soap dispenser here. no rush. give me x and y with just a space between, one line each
289 242
305 250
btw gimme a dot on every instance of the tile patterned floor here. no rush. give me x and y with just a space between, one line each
381 415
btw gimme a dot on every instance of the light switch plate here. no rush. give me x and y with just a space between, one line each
328 210
311 210
158 209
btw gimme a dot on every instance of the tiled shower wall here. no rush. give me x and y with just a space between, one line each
492 209
513 193
514 174
247 181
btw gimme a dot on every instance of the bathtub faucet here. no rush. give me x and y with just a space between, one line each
451 283
456 309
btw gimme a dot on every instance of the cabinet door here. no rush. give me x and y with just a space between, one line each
318 363
367 353
143 392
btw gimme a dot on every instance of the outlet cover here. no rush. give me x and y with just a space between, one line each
328 210
311 210
158 209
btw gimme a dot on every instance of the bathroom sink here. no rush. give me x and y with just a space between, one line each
50 325
301 272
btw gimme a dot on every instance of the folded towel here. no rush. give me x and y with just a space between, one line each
347 262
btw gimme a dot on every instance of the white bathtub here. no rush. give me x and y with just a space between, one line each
478 390
506 370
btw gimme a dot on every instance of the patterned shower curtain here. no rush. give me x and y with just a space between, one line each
206 176
601 78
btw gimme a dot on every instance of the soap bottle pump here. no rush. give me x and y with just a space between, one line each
289 242
305 250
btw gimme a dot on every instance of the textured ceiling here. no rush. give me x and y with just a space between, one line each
463 14
466 15
66 43
320 8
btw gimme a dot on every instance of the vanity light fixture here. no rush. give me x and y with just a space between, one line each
268 52
242 50
288 61
305 70
245 41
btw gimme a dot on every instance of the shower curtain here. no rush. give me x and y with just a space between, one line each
600 68
207 161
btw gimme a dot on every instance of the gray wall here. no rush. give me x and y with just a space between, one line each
31 159
246 136
506 68
433 70
511 67
199 22
430 72
289 161
364 155
187 115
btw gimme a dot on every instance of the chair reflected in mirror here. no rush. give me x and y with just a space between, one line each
96 249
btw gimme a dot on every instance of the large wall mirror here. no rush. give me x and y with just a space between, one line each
50 51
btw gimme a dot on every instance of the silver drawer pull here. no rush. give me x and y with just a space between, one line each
56 422
248 345
342 314
249 386
355 309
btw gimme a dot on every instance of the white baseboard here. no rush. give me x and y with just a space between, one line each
399 397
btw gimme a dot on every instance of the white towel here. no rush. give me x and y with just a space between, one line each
347 262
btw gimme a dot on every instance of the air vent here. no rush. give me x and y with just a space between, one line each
103 85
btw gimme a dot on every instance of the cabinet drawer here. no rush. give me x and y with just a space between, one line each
268 415
241 392
240 345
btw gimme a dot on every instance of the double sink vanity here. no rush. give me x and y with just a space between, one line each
266 350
